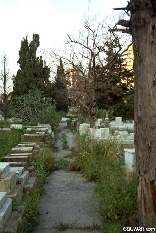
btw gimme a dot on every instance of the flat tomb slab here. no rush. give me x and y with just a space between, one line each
4 169
41 133
16 158
5 212
16 126
22 149
7 184
3 197
27 144
18 164
19 154
17 170
13 221
31 138
24 177
38 128
16 194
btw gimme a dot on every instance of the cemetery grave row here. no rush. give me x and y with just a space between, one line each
16 172
118 131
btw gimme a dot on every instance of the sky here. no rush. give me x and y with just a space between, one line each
51 19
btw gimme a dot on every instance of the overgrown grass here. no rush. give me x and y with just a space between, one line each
9 139
4 124
117 196
44 164
64 141
62 164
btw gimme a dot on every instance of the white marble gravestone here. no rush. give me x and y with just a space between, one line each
130 159
104 132
84 128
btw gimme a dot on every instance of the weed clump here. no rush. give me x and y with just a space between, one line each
64 141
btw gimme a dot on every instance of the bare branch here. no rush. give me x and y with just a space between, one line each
121 30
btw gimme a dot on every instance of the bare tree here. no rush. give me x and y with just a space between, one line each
142 26
84 53
4 86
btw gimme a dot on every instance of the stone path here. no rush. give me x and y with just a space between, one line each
68 204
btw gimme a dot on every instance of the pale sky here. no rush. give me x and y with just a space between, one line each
51 19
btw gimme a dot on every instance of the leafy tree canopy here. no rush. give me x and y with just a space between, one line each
114 84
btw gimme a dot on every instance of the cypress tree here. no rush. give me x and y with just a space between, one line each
33 73
60 91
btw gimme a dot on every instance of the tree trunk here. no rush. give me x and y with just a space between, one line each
143 23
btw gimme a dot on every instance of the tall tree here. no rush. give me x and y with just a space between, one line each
142 26
33 73
4 88
59 89
89 50
114 85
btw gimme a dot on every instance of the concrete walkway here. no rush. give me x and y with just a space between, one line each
68 204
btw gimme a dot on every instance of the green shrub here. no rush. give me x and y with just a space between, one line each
113 227
36 108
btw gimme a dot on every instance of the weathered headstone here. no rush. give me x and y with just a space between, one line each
84 128
16 126
118 122
130 160
104 133
98 123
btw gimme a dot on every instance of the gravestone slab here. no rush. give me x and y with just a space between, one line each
4 169
118 122
98 123
31 138
123 133
14 158
3 197
38 128
5 212
129 159
18 170
18 164
22 149
20 154
16 194
23 177
8 183
84 128
27 144
16 126
104 132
